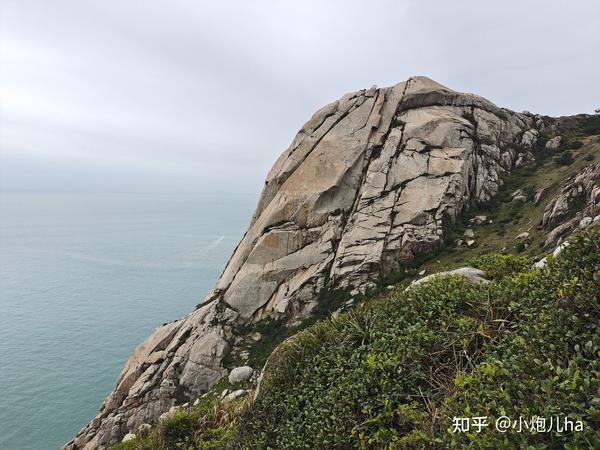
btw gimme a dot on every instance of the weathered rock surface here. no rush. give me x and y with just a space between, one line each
240 374
370 181
554 143
578 198
235 395
471 274
129 437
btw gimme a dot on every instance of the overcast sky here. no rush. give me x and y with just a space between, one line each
195 96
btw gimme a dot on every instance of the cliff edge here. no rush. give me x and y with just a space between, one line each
371 181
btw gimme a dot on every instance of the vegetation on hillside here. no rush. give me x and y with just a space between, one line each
395 371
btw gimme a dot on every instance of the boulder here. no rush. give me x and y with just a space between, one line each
471 243
235 395
240 374
478 220
553 144
128 437
561 248
585 222
529 138
470 273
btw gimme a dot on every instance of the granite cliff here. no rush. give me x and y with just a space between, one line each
370 182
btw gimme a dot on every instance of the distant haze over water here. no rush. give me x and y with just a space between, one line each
84 278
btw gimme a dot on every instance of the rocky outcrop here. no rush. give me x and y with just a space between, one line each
472 275
370 181
578 199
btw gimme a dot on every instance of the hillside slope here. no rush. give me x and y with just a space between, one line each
371 185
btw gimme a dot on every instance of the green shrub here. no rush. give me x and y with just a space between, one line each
209 426
564 159
576 144
510 213
591 124
392 373
570 142
498 266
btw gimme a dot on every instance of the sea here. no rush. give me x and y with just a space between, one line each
84 278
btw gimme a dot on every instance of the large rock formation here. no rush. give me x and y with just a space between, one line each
370 181
578 199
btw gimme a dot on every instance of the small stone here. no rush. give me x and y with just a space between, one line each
519 198
235 395
560 249
204 395
478 220
422 272
469 233
523 235
459 242
585 222
554 143
256 336
185 405
128 437
224 393
197 402
471 243
240 374
143 428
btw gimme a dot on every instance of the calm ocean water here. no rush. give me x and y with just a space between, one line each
84 279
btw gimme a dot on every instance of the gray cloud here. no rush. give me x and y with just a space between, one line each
192 95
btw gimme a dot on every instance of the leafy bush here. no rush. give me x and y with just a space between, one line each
571 141
576 144
510 213
393 373
564 159
591 124
209 426
498 266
